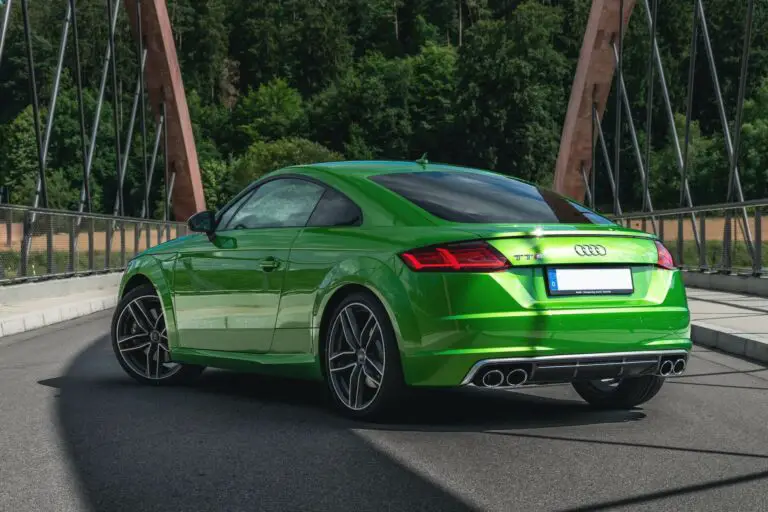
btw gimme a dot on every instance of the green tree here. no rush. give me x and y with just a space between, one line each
432 97
264 157
216 175
365 112
304 41
273 111
511 96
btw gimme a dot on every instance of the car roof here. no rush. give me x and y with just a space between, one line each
366 168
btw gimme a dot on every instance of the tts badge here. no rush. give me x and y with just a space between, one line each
528 257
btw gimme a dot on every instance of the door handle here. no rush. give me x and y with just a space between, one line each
269 264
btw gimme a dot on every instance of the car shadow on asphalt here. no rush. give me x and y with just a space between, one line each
245 442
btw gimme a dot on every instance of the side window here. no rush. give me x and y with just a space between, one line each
334 209
227 214
281 203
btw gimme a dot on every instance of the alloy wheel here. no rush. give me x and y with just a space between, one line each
142 339
356 356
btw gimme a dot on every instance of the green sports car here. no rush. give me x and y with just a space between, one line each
379 276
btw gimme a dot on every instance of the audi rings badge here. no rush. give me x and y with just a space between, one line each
590 250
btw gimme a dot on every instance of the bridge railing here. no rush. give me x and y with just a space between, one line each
37 243
731 235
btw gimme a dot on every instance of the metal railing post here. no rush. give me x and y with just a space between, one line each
51 257
680 240
91 227
661 230
757 262
703 242
136 237
108 252
122 243
25 241
8 227
72 267
726 258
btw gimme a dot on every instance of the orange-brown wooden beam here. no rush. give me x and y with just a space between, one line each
164 84
591 83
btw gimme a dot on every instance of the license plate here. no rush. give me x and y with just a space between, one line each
589 281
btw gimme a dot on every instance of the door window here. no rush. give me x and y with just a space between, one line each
226 215
281 203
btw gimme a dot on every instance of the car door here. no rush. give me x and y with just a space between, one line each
227 292
331 236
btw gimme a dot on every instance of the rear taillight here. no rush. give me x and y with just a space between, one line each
665 258
467 257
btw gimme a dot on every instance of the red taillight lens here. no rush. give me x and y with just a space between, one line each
665 258
471 256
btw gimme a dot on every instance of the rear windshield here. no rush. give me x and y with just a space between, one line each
486 199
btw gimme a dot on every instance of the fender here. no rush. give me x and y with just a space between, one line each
158 269
380 279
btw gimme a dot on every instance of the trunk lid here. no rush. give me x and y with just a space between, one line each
571 245
577 266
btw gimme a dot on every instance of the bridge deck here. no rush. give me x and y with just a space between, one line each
77 433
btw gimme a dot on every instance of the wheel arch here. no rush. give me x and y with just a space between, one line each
134 282
335 298
383 283
155 271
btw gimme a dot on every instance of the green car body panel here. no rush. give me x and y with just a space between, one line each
223 309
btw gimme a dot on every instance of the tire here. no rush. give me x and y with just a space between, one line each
140 342
379 386
627 394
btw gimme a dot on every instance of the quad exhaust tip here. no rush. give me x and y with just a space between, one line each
667 367
517 377
493 379
670 367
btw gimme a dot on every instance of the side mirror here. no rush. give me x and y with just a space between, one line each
203 222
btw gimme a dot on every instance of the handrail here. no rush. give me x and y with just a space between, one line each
41 243
68 213
735 255
754 203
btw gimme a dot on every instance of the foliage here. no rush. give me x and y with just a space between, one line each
264 157
512 113
271 112
473 82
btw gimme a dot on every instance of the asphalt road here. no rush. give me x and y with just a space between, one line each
77 434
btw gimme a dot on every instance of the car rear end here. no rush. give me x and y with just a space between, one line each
571 297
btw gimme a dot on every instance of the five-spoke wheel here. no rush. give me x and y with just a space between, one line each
361 360
140 339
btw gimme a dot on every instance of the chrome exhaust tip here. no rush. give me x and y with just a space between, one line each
493 379
666 368
679 367
517 377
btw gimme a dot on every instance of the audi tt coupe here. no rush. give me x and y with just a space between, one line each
379 276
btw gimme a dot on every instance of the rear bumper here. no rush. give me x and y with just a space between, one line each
450 323
523 371
457 369
446 356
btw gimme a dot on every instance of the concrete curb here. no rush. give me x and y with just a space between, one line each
24 292
36 319
729 341
729 283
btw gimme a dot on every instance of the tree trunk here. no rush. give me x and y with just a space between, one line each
397 29
460 23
